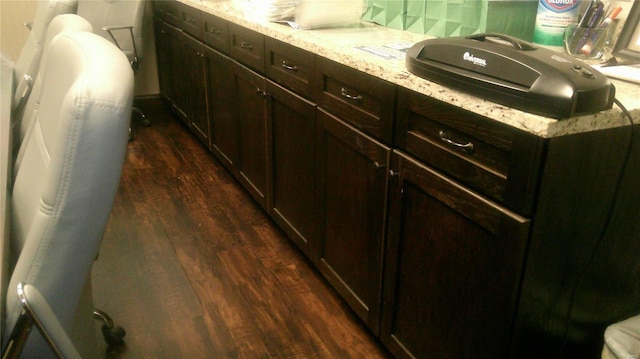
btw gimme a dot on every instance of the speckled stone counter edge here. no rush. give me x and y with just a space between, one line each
340 44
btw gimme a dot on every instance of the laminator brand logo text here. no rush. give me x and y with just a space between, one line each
474 60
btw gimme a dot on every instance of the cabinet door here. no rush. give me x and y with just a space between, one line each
195 62
179 73
351 197
222 124
452 270
250 110
293 123
163 55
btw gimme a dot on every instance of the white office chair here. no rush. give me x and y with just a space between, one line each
28 61
59 24
70 163
622 339
119 21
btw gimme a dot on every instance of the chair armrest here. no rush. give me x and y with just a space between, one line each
36 310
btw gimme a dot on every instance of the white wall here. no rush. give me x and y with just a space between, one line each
14 13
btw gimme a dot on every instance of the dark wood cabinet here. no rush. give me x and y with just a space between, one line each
215 32
453 267
223 126
362 100
582 267
291 67
293 124
179 74
254 157
351 211
247 47
494 159
172 74
189 18
450 234
163 57
195 65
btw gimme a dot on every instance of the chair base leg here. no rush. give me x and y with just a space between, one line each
113 334
145 120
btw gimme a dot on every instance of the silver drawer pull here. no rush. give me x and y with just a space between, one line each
213 30
344 93
189 19
466 147
289 67
246 45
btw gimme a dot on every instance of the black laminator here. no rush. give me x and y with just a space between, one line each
513 73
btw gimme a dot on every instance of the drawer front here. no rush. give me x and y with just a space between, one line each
246 46
160 9
215 32
190 20
494 159
171 11
363 100
290 66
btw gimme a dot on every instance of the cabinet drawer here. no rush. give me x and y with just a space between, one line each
189 19
160 9
290 66
499 161
215 32
246 46
363 100
171 10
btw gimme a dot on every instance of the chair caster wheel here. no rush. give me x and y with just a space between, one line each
114 336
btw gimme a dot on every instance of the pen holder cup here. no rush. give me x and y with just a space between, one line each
585 43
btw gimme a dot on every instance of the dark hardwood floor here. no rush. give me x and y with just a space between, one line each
191 267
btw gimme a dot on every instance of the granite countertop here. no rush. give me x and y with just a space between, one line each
344 45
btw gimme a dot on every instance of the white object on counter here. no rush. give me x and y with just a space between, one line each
325 13
626 73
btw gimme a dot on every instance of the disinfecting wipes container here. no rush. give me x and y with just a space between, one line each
552 19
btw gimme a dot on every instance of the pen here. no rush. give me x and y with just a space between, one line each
590 20
588 47
588 13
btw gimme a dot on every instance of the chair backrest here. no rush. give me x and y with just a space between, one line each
28 60
116 13
71 162
59 24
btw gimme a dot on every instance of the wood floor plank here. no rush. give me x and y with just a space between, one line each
192 267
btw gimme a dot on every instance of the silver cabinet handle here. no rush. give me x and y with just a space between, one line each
287 66
346 94
246 45
378 165
213 30
466 147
